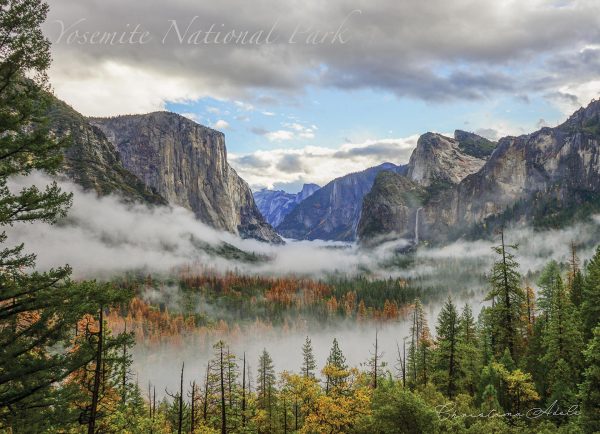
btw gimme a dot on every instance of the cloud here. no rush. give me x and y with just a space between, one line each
292 163
434 51
279 135
293 131
105 236
259 131
221 125
192 116
293 167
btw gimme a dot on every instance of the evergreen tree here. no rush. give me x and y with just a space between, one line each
308 359
576 289
38 311
265 384
337 361
530 310
562 342
590 307
575 278
468 352
507 298
375 363
419 352
590 388
547 282
446 354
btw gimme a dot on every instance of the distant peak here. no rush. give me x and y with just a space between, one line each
585 115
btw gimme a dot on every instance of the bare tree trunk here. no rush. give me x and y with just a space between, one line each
193 409
124 373
223 412
205 404
244 391
180 421
154 404
97 375
284 417
375 371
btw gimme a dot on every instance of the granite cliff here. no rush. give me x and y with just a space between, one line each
92 161
186 163
548 178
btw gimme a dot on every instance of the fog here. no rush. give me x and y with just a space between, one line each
161 367
102 237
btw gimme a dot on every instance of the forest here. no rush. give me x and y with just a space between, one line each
528 362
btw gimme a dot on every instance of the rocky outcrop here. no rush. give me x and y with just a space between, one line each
536 178
547 178
333 212
473 144
390 209
274 205
186 163
440 159
92 161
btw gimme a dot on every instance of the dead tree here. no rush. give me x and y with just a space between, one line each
97 374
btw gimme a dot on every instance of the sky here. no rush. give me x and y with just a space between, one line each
306 91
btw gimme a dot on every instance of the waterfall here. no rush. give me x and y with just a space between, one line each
417 226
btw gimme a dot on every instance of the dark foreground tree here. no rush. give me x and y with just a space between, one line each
446 354
507 296
590 388
38 311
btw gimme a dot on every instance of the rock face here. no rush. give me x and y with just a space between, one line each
333 212
92 161
546 178
540 178
473 144
274 205
186 163
390 209
440 159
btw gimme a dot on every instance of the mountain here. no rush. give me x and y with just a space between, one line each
274 205
92 161
473 144
186 163
391 209
441 159
333 212
547 179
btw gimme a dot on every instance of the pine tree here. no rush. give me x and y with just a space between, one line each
38 311
375 363
562 337
575 278
590 388
468 352
337 361
507 298
308 359
446 354
265 384
547 282
562 344
529 310
419 352
590 307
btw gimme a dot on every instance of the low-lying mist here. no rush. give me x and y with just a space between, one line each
161 366
103 237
